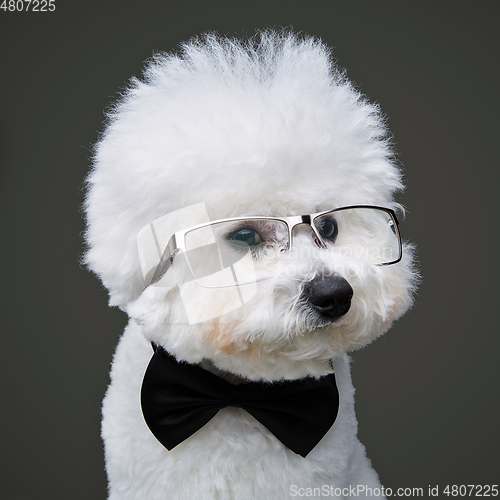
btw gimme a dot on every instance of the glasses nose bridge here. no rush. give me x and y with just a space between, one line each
297 220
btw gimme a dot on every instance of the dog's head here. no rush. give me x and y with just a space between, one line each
296 180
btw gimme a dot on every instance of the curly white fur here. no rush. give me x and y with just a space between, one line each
269 127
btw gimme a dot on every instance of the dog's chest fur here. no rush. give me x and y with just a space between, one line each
232 457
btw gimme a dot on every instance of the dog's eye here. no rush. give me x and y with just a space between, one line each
328 229
245 237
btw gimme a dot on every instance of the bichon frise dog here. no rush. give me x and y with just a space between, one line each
241 211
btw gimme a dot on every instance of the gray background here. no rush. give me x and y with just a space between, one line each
427 392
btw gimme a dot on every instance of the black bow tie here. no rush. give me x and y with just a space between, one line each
179 398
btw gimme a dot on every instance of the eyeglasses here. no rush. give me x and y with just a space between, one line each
227 252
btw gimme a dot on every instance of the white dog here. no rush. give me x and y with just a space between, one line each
246 321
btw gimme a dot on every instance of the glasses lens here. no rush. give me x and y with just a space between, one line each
368 233
228 253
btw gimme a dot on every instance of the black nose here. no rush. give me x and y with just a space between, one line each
330 296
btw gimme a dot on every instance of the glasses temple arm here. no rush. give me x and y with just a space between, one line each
166 260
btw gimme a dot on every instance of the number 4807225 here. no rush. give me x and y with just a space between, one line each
28 5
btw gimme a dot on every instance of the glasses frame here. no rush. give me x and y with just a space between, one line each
176 243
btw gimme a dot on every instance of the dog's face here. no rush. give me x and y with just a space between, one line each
269 130
310 300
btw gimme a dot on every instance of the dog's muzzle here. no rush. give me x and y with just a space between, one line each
330 296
